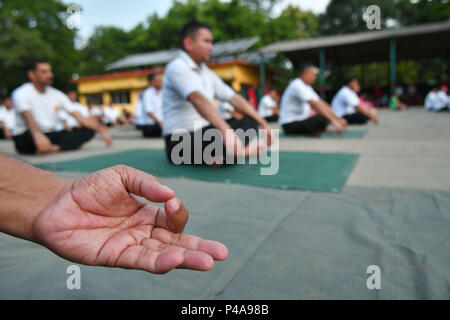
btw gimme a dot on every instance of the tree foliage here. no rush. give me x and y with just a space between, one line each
35 28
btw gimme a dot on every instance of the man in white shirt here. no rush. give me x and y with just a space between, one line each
68 122
432 100
346 104
37 104
268 106
151 108
297 102
188 92
7 118
112 117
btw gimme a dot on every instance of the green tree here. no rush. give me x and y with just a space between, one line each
35 28
106 45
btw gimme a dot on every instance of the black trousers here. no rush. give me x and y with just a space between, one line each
356 118
2 134
66 140
151 131
272 118
244 124
314 125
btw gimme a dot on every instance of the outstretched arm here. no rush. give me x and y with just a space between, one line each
325 110
370 113
95 220
94 124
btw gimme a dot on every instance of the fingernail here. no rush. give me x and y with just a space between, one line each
175 205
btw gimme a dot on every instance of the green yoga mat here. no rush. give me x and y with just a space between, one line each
297 170
348 134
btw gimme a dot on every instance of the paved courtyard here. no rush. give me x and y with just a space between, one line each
394 212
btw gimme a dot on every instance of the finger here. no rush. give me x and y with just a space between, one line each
177 215
216 250
192 259
139 257
143 184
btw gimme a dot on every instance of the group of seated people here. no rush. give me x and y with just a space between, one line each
47 120
437 99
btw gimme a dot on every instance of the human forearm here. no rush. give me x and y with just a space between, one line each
24 192
157 121
206 109
89 122
324 109
243 106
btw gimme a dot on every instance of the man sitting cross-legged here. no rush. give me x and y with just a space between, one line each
188 92
297 102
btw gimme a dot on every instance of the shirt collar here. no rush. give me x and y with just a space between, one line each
189 61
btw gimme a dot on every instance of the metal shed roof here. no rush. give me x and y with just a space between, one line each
220 49
420 41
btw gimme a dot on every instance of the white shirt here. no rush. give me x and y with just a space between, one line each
95 111
183 77
43 106
294 104
266 106
8 117
345 102
225 109
140 118
110 115
432 101
443 98
70 120
152 102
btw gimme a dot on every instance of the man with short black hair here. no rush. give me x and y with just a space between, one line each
298 102
188 93
37 104
346 104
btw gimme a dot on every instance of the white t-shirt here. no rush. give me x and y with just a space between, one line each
140 118
294 104
432 101
443 98
95 112
43 106
266 106
8 117
224 109
70 120
183 77
110 115
152 102
345 102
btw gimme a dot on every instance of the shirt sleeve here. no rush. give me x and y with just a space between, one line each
306 93
222 91
149 105
352 99
20 102
181 79
64 101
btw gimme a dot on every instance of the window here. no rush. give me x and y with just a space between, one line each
96 98
119 97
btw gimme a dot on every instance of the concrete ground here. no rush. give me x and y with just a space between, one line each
394 212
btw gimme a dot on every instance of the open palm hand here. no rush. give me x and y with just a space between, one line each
96 221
